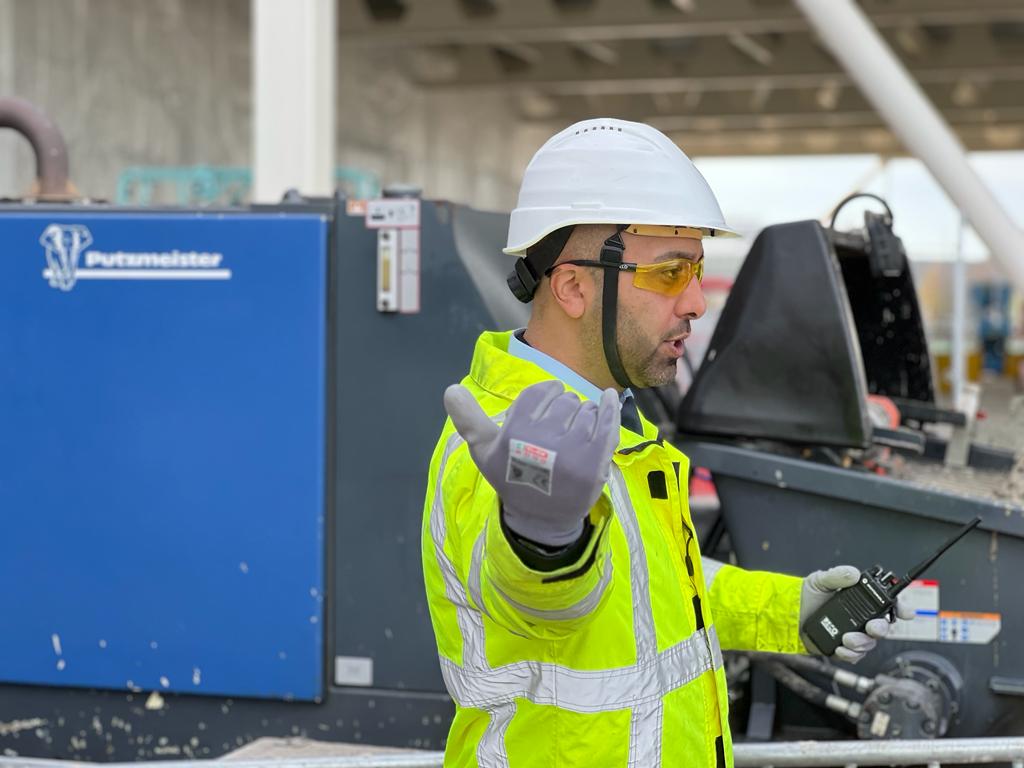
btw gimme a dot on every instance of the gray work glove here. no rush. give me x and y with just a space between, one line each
818 588
549 459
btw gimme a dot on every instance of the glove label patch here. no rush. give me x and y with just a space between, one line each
529 464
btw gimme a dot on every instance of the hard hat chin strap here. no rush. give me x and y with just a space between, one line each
612 252
524 279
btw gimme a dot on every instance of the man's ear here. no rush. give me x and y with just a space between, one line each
572 289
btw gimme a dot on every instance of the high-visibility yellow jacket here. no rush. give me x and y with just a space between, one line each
614 660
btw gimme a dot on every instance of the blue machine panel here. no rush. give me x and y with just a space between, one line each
162 451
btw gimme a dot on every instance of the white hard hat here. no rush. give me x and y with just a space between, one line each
608 171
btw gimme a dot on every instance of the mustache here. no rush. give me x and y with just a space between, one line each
683 329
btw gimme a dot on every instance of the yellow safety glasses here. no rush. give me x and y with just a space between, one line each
669 278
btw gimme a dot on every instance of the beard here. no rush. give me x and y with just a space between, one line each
639 351
641 354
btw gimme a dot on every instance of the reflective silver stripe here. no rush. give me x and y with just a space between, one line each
580 608
475 567
645 735
581 690
471 625
716 649
643 616
645 720
491 752
711 569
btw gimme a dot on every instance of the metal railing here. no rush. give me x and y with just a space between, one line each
930 752
788 754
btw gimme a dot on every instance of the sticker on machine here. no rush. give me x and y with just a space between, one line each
392 212
923 596
968 627
937 626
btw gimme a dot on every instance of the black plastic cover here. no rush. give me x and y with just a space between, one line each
784 362
890 327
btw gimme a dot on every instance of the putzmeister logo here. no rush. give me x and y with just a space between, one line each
65 243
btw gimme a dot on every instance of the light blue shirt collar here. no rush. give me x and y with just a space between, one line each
560 371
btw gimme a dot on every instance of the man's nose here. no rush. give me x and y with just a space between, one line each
691 303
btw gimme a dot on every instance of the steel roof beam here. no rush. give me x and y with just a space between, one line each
989 100
790 61
858 140
443 22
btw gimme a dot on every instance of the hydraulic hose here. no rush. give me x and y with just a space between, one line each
810 692
842 677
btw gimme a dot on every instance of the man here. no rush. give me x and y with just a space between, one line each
575 620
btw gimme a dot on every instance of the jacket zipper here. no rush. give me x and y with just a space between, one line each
691 537
699 616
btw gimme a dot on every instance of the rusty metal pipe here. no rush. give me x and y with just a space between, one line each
47 143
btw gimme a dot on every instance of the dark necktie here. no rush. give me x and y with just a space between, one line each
631 416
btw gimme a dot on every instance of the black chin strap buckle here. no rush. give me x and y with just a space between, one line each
613 248
522 281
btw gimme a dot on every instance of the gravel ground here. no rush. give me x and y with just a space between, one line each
1003 487
270 748
1002 427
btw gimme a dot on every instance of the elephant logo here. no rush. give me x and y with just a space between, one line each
64 243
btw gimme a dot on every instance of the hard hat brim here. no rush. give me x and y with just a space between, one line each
709 231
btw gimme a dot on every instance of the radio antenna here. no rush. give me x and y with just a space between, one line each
921 567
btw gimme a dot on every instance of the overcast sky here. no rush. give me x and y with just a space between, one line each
756 191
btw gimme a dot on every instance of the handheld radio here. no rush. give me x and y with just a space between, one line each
872 597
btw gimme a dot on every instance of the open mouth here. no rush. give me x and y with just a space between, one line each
677 345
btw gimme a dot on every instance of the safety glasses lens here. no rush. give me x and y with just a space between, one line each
669 277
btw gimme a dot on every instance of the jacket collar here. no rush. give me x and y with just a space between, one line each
495 370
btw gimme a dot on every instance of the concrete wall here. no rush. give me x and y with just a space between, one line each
167 82
456 147
150 83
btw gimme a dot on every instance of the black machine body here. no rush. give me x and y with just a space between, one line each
872 597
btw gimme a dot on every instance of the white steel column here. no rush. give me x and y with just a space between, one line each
885 82
958 332
293 97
